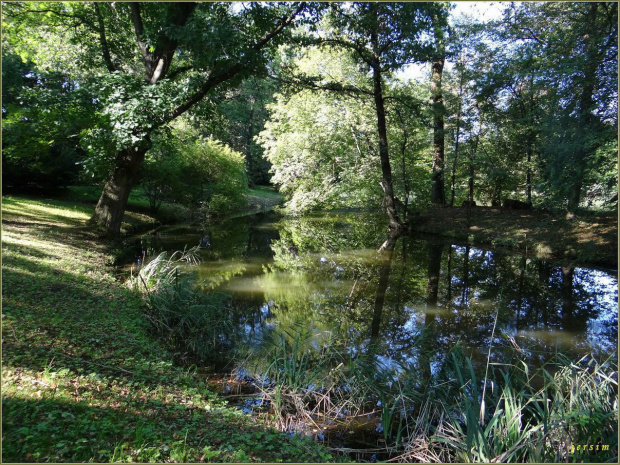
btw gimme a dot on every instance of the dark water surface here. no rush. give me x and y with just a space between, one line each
323 274
320 281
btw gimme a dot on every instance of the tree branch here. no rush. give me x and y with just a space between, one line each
278 29
19 11
138 27
233 70
359 49
103 40
180 70
309 83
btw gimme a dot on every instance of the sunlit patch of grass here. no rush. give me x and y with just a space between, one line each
38 243
61 210
83 379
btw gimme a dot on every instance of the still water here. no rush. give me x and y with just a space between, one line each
323 276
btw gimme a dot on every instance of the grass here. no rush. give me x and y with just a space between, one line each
186 317
263 198
83 377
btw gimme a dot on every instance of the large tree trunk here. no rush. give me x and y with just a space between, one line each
528 176
110 209
438 195
249 165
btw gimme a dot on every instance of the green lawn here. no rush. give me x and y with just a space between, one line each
83 378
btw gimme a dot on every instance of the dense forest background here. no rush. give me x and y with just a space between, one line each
196 103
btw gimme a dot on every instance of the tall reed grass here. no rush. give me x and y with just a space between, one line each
523 416
186 317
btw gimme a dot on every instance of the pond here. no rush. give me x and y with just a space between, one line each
318 285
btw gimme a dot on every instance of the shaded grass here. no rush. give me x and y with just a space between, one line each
585 237
84 378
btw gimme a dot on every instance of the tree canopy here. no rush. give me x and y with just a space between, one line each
520 108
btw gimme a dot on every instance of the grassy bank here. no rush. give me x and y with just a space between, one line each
263 198
138 216
586 237
83 378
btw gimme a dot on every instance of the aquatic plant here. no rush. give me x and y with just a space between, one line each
538 417
523 416
186 317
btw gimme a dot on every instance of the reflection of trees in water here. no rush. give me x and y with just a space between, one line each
451 296
326 274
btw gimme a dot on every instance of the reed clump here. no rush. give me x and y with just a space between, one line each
509 414
523 417
185 316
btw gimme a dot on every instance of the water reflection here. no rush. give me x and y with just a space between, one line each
409 304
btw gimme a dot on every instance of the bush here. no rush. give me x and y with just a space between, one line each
195 172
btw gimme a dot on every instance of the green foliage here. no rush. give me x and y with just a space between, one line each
218 175
323 145
520 421
187 317
316 144
546 102
43 115
240 117
185 168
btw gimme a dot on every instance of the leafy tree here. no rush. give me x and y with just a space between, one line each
323 145
438 193
582 71
547 81
43 114
160 60
242 116
382 38
320 147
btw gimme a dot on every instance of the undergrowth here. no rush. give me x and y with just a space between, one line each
187 318
457 415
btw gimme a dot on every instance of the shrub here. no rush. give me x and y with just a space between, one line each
195 172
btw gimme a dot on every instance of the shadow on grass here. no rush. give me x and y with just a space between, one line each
48 430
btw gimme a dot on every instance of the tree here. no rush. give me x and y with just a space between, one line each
242 116
323 144
43 114
554 84
322 149
383 37
185 50
438 192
